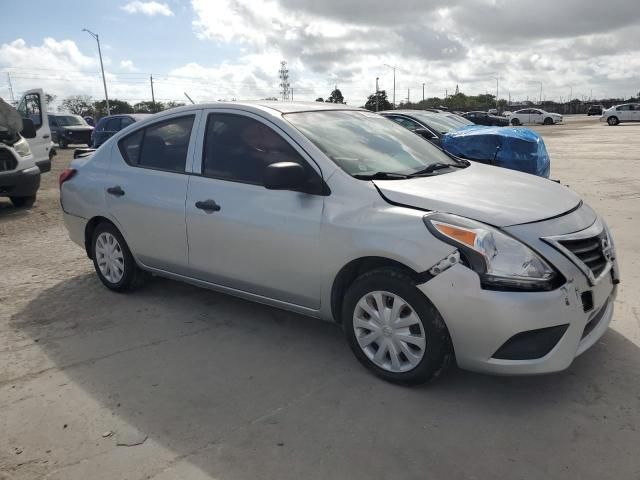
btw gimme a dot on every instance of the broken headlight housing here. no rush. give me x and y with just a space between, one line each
22 148
501 261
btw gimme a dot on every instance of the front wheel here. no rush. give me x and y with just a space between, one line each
113 261
393 329
613 121
63 143
26 202
548 121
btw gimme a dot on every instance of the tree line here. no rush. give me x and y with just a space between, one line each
86 106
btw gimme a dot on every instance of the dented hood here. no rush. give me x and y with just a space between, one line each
492 195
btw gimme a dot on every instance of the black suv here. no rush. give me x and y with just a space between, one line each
108 126
67 129
595 110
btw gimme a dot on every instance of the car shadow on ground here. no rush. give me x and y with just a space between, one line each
241 390
8 211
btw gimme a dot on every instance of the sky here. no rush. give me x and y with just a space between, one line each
232 49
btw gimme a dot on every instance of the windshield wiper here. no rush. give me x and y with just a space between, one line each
381 176
433 167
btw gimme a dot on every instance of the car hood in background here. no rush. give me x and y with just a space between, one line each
78 128
488 194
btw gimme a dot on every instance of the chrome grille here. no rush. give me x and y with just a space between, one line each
7 160
589 251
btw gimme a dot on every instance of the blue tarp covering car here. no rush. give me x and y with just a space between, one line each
515 148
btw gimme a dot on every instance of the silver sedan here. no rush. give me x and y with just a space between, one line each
343 215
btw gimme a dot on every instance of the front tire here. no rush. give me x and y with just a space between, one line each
112 259
393 329
63 143
613 121
23 202
548 121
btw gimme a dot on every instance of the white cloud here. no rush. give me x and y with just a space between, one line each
148 8
128 66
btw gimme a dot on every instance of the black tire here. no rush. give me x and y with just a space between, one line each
515 122
548 121
438 351
23 202
132 276
613 121
63 143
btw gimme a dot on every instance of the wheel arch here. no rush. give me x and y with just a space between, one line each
352 270
90 228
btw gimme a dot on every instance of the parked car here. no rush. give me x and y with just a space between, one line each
628 112
108 126
524 151
337 213
485 118
595 110
19 174
67 129
535 116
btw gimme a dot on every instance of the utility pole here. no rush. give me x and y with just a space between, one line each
497 90
394 83
408 95
153 97
292 94
540 92
377 96
13 100
423 91
104 81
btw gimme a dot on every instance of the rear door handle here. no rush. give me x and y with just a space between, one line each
208 206
116 191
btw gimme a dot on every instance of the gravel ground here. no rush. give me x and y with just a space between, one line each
178 382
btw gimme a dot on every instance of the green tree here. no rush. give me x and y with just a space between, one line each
50 98
173 104
116 106
78 105
336 97
148 107
319 99
379 100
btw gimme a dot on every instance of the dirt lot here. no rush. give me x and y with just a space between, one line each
209 386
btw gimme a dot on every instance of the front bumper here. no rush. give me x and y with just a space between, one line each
480 322
24 183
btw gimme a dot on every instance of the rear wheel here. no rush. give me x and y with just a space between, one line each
393 329
113 261
515 122
26 202
613 121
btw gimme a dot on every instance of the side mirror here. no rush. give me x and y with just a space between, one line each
284 176
28 128
423 132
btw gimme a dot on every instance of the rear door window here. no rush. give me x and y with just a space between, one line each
161 146
125 122
113 125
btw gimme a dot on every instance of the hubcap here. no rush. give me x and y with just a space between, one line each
389 331
109 257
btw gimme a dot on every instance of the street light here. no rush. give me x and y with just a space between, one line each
377 95
394 82
540 91
104 82
497 91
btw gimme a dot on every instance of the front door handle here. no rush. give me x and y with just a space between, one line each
45 136
208 206
116 191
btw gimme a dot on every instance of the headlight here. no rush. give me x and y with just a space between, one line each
501 261
22 148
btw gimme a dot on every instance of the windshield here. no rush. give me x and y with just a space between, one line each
70 120
364 143
442 122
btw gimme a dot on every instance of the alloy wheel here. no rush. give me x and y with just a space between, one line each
389 331
109 257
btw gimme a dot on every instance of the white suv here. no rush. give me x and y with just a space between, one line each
628 112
